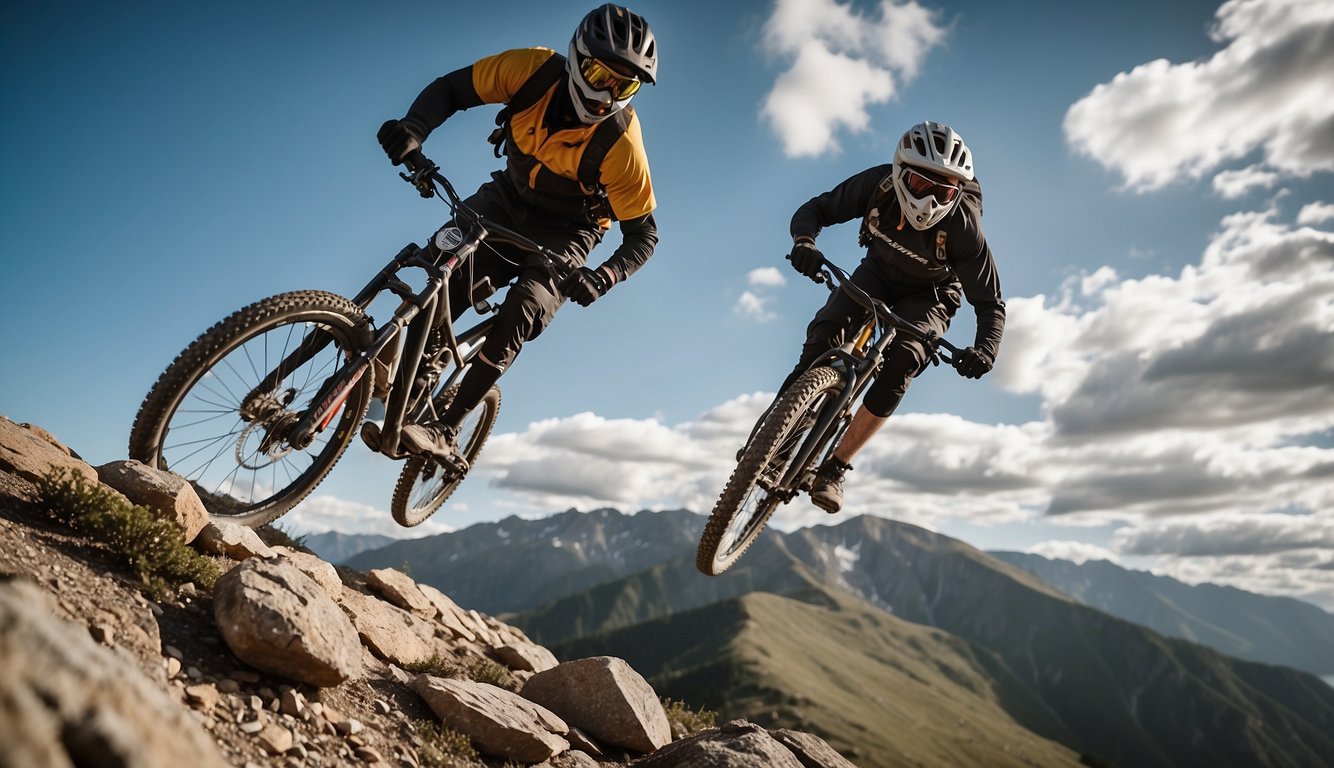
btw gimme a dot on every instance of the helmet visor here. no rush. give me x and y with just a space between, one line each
922 185
601 77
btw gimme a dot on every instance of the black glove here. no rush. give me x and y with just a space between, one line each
806 259
584 285
973 363
400 138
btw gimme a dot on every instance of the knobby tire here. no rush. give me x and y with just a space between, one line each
208 371
423 486
786 423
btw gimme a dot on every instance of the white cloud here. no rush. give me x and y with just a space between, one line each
755 307
317 514
1218 535
1267 91
843 61
766 277
1074 551
1315 213
1234 184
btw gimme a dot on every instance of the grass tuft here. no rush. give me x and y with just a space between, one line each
691 721
444 747
152 547
437 666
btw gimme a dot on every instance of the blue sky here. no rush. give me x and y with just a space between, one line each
1158 197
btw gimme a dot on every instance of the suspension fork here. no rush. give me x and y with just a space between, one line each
318 340
855 375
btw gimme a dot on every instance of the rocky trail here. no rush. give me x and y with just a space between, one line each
287 660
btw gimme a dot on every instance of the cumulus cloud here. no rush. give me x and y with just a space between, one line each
1267 90
1315 213
1219 535
1074 551
330 513
843 61
1234 184
766 277
754 306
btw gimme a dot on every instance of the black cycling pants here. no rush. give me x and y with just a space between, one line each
929 308
532 301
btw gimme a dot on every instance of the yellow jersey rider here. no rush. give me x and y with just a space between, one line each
575 161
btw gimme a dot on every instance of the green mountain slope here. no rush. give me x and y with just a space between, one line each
883 691
1275 630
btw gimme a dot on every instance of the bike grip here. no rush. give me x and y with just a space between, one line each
415 160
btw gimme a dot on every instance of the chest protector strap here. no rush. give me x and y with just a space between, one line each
583 199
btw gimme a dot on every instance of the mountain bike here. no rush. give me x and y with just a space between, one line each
258 409
800 430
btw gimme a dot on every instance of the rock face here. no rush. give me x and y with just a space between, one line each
66 701
738 744
289 616
31 453
277 619
607 699
169 495
499 723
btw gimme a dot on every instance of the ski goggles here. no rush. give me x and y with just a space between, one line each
921 185
601 77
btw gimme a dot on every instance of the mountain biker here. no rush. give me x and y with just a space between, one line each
575 161
921 225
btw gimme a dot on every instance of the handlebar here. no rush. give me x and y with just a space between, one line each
425 175
836 278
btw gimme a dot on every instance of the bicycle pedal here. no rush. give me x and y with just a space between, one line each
370 435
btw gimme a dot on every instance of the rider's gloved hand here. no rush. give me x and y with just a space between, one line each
806 258
400 138
973 363
584 285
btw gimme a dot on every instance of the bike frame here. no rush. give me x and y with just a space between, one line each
858 370
418 315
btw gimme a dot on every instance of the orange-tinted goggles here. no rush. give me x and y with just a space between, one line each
603 78
922 185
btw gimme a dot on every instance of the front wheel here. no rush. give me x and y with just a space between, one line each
751 494
221 414
424 485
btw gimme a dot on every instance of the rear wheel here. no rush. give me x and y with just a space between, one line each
751 496
220 417
424 485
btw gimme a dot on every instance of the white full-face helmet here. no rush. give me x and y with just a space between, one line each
612 53
931 164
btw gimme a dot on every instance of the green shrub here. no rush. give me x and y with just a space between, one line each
152 547
444 747
692 721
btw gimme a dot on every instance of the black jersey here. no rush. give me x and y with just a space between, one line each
952 253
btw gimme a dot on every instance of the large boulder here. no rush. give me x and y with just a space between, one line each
605 697
737 744
399 589
500 723
391 633
277 619
66 701
811 750
322 572
235 542
170 496
31 453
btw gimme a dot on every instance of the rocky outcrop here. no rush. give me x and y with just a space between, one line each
498 722
603 696
32 453
232 541
276 653
275 618
168 495
64 700
737 744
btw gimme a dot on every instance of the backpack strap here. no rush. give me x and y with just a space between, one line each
528 94
606 135
882 193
